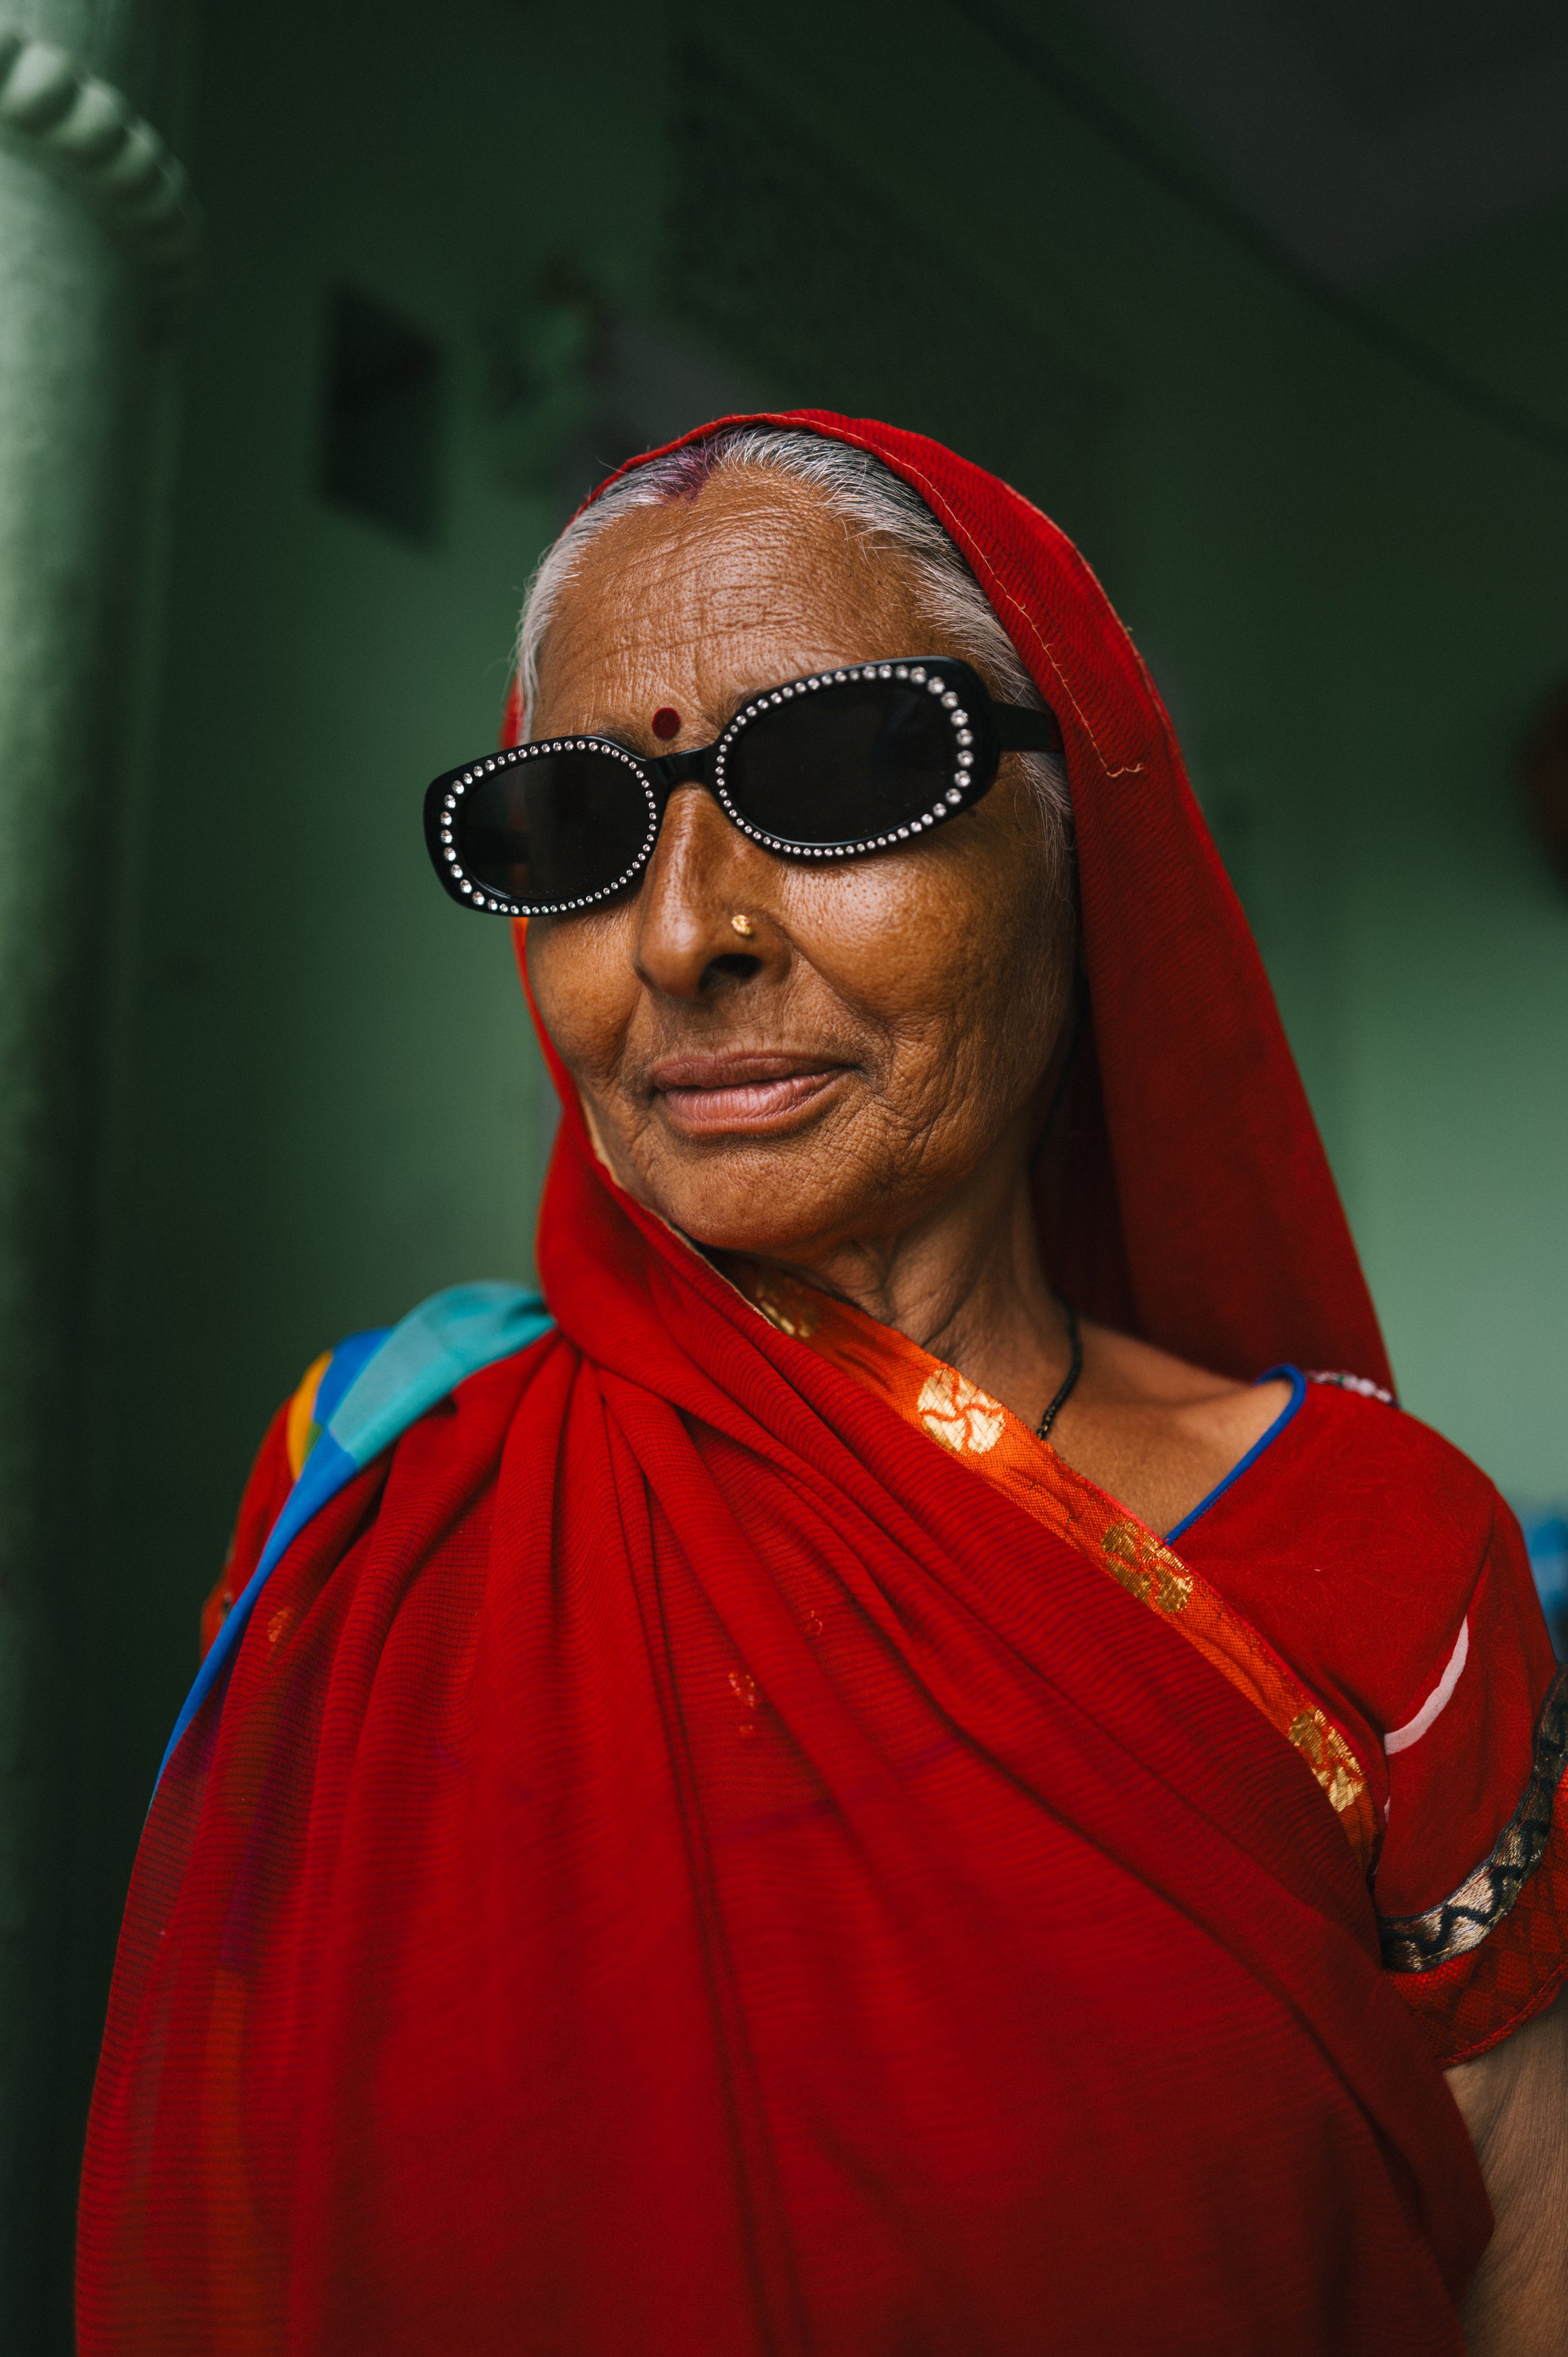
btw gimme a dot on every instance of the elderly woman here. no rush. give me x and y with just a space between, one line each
884 1772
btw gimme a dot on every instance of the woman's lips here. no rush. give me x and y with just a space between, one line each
709 1095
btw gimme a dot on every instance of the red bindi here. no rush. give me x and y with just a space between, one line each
667 721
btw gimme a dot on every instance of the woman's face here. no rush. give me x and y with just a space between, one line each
882 1030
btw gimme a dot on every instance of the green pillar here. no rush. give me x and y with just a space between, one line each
95 230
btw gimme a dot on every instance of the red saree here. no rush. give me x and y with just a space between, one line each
683 1865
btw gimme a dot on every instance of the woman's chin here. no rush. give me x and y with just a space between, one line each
766 1208
741 1232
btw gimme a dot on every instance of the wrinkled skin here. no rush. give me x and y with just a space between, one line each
853 1089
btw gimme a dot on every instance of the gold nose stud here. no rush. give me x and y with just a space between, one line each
744 926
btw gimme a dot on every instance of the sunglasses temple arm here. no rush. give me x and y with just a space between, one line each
1021 730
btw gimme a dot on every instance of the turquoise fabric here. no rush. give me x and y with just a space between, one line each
374 1387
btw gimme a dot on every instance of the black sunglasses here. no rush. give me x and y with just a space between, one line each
845 762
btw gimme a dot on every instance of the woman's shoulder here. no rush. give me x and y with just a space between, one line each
355 1400
1381 1464
1371 1551
1339 1444
1354 1493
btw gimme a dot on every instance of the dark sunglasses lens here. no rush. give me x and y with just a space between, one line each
556 828
840 763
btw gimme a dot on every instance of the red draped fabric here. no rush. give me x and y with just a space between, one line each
683 1866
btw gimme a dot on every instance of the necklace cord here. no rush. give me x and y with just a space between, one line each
1075 1368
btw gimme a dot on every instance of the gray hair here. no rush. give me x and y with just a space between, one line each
873 506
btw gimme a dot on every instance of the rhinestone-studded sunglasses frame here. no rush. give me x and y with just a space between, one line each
980 728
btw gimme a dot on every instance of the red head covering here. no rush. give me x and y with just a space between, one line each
1187 1198
682 1864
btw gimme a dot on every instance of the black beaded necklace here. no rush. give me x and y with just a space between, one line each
1074 1371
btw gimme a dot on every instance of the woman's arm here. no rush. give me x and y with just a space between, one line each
1515 2103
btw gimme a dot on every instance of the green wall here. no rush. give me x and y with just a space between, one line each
1457 932
324 1099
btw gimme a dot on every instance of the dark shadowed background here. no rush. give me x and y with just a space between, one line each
1261 298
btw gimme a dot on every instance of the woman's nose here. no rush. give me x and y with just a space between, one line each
704 914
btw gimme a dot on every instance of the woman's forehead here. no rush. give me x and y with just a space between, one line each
745 585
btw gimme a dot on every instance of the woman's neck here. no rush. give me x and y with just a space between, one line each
966 1284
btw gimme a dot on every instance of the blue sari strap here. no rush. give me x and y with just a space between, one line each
375 1385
